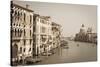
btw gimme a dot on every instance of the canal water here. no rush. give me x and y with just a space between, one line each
77 52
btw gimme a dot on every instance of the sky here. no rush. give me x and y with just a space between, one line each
69 16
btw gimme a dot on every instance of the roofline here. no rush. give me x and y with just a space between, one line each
22 7
56 24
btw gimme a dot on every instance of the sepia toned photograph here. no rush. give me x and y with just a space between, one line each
52 33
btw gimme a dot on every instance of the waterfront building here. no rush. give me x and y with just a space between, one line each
42 34
92 37
56 34
81 35
86 35
21 33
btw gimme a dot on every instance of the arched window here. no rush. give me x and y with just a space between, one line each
24 32
15 15
21 16
15 32
30 19
30 33
24 42
24 49
18 15
29 49
24 16
30 41
20 50
14 51
18 33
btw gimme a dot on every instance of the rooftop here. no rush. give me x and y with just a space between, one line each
22 7
53 23
45 17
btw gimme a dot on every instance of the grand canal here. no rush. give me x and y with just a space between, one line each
77 52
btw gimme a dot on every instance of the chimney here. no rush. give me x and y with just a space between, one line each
27 6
